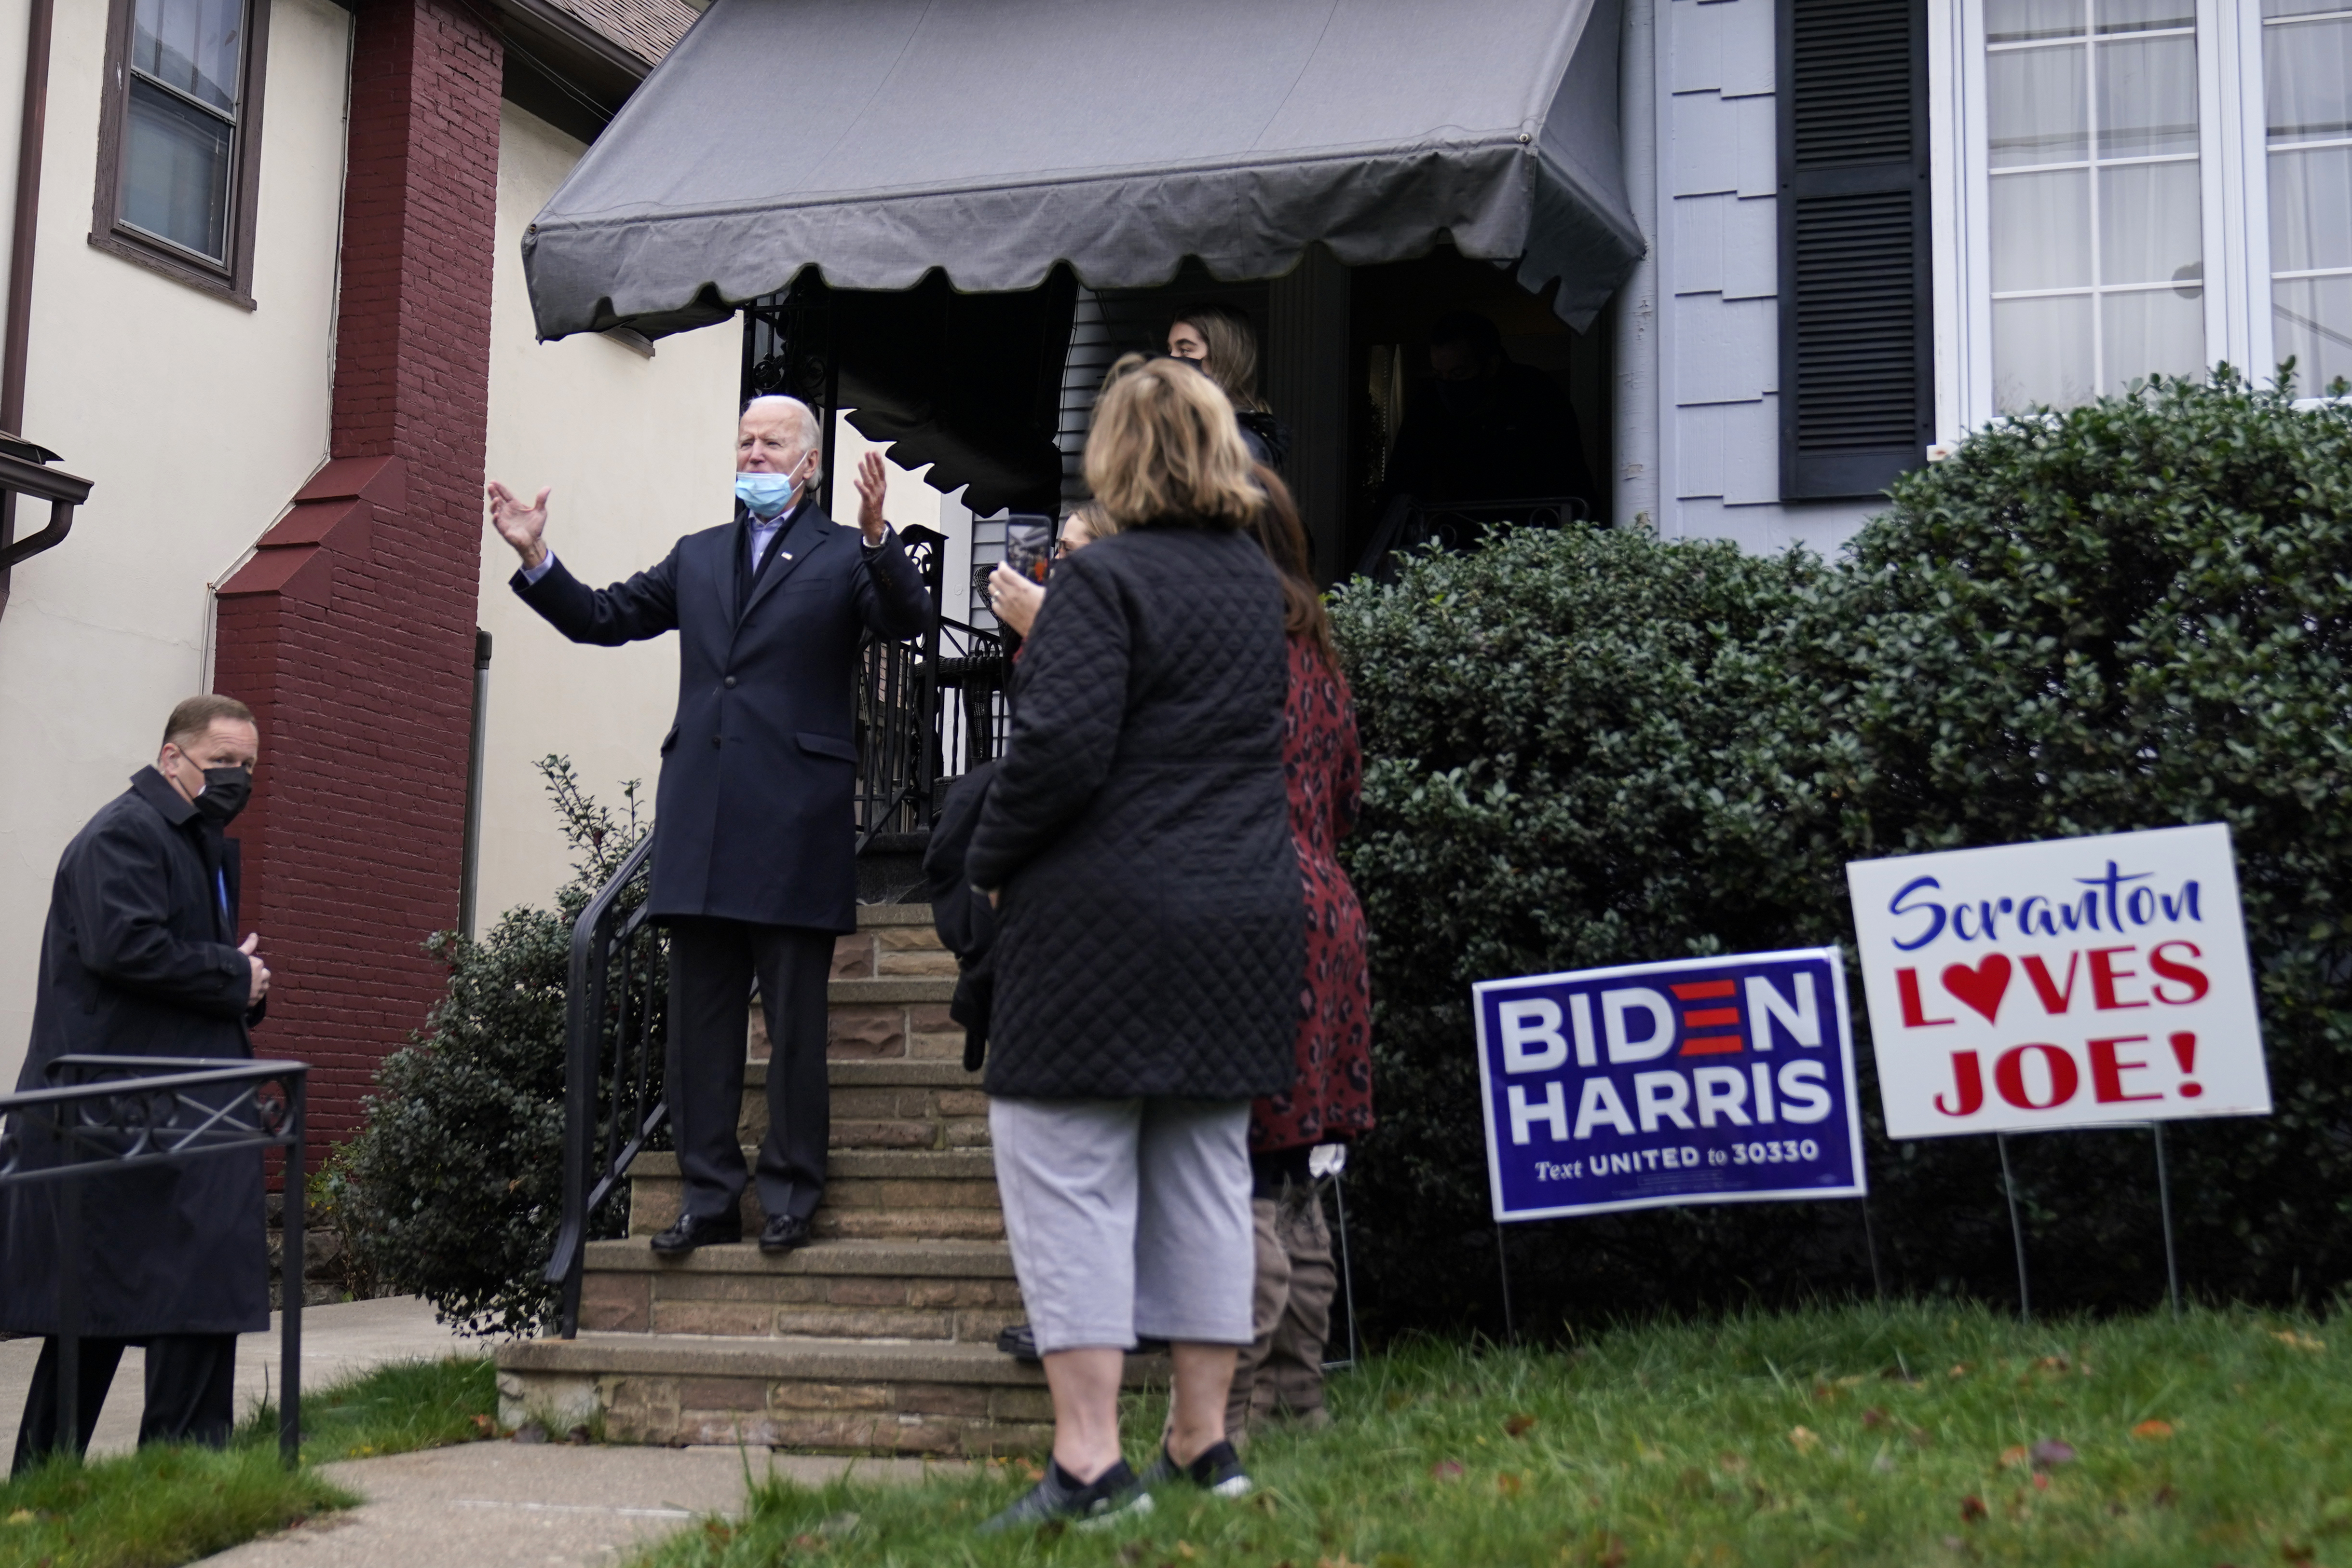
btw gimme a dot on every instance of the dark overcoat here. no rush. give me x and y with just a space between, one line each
139 959
753 817
1152 927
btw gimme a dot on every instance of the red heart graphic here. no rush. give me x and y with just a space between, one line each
1981 988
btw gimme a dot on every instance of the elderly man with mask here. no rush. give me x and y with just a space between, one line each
141 958
753 871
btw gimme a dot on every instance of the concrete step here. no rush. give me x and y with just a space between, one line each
952 1399
932 1290
945 1195
900 1103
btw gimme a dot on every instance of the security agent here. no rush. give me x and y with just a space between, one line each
753 856
141 958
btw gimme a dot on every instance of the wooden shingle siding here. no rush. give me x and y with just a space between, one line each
1857 404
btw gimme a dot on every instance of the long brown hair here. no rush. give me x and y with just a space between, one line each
1233 351
1165 448
1279 533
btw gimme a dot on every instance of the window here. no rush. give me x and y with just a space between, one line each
2097 271
2307 95
179 138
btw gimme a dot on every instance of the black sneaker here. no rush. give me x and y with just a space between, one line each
1110 1497
1218 1469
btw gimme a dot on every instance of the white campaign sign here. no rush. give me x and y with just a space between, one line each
2078 983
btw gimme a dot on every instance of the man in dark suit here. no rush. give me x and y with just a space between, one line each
141 959
752 870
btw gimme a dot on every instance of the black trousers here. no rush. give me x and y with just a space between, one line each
190 1394
712 963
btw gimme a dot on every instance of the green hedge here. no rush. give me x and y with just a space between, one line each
452 1189
1590 748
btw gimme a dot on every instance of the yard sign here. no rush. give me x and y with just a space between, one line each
1702 1081
2078 983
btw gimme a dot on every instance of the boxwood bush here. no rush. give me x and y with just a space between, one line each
453 1190
1586 748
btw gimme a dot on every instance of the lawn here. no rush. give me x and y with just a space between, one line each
166 1505
1916 1435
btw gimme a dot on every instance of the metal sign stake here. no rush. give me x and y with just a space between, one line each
2016 1229
1510 1328
2163 1198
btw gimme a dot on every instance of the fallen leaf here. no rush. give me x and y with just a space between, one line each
2041 1482
2300 1341
1730 1464
1446 1470
1960 1369
2165 1496
2297 1551
1805 1438
2052 1452
2051 1363
1519 1425
2012 1456
1184 1550
1036 1472
1874 1417
485 1426
2154 1431
1972 1508
21 1515
1508 1484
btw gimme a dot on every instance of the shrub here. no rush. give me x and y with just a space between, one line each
452 1189
1585 748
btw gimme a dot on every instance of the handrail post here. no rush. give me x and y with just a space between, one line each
292 1275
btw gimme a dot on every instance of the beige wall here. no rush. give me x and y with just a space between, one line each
196 419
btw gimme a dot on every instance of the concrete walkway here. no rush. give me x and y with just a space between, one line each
508 1505
337 1343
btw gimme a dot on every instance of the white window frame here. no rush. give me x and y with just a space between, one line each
2234 183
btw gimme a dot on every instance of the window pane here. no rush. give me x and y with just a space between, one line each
192 44
176 171
2036 100
2139 16
2148 97
2311 209
2148 223
2042 230
2307 80
2040 353
2008 21
2302 7
2312 317
2156 330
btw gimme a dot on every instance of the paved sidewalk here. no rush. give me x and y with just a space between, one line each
508 1505
337 1342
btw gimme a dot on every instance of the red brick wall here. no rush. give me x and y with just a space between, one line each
352 630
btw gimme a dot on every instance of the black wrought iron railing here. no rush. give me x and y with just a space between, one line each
615 1028
105 1115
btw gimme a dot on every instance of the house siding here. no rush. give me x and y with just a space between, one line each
1718 248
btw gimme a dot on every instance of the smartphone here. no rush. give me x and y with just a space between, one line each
1029 544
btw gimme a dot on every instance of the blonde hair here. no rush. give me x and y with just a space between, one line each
1166 448
1233 351
1099 523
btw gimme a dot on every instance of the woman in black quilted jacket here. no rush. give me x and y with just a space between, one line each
1137 840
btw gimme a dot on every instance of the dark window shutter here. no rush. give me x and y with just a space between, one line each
1857 371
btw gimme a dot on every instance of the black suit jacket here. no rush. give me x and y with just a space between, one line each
754 818
140 959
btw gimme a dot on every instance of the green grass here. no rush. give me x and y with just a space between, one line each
1853 1436
166 1505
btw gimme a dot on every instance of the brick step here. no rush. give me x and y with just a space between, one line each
945 1195
950 1399
895 1104
937 1290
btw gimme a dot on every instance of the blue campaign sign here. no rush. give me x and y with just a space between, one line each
1708 1080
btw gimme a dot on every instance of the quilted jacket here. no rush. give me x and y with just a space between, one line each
1151 923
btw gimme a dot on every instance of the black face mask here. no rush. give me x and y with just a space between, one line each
226 792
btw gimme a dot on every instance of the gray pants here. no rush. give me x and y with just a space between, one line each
1129 1218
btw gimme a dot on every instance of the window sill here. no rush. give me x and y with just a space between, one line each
200 279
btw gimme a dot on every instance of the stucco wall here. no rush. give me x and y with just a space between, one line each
1718 370
639 451
196 419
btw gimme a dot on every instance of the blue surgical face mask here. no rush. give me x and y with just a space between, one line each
765 494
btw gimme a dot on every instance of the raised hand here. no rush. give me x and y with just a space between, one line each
871 484
519 525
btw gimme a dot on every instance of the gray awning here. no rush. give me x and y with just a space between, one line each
877 140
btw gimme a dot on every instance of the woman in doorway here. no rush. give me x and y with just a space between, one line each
1219 338
1135 840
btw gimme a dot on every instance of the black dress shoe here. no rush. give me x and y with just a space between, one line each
783 1232
697 1231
